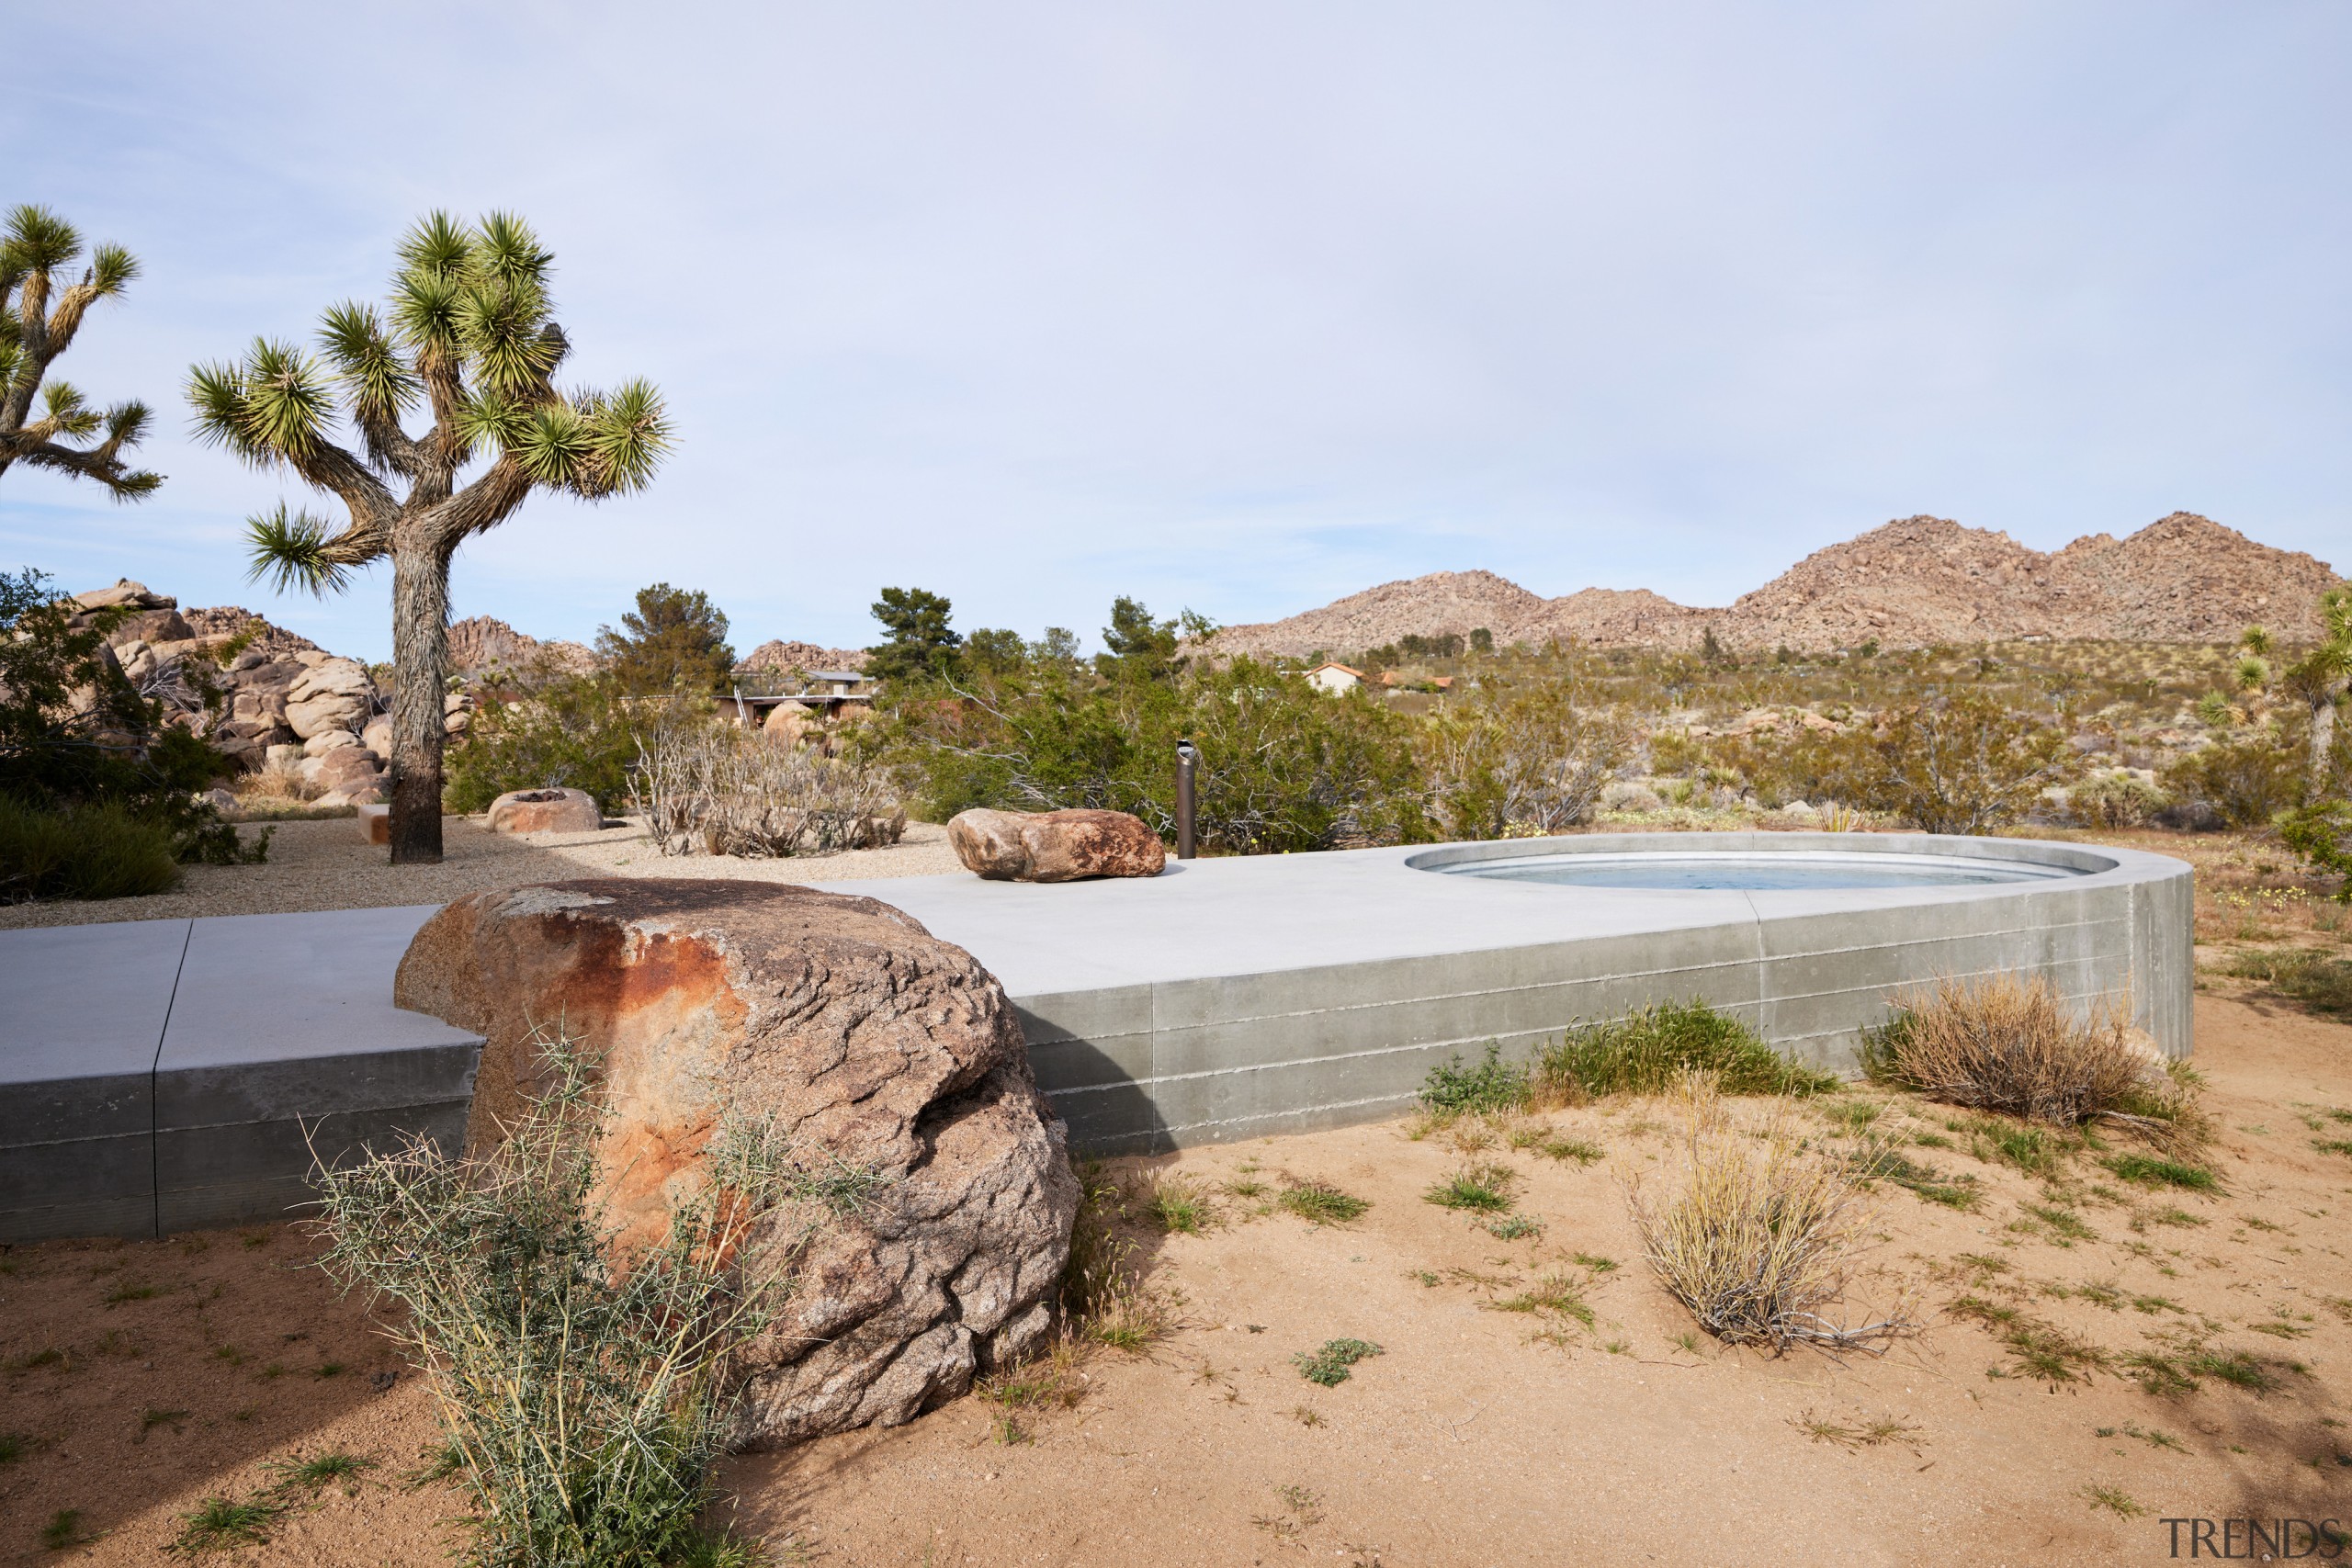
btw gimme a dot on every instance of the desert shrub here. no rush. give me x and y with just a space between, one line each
2015 1047
2114 800
1328 1367
1524 755
1760 1239
2322 835
2248 778
713 789
1956 763
584 1400
1489 1085
83 850
75 735
556 730
1643 1053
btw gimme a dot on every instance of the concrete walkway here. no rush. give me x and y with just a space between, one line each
159 1076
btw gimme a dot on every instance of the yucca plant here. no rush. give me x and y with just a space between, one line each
471 336
583 1391
42 306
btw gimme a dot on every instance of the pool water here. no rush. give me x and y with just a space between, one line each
1773 872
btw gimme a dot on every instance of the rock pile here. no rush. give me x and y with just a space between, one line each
261 695
878 1059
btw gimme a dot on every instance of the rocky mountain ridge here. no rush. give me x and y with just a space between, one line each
1915 581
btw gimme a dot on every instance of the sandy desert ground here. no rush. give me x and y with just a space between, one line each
141 1378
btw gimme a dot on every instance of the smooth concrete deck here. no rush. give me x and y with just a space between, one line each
1230 997
161 1075
157 1076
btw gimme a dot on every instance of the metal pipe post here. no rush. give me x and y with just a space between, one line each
1187 756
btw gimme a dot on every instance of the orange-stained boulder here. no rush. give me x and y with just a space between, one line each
1055 846
842 1024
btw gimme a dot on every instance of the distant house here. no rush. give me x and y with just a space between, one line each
1333 676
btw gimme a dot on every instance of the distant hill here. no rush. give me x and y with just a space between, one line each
480 643
1914 582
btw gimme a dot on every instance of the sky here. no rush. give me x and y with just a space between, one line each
1241 307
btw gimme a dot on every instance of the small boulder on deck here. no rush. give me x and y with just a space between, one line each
545 811
1055 846
845 1026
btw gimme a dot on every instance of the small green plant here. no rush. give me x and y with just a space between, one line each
218 1524
1580 1150
1481 1188
130 1292
1515 1227
2149 1172
151 1419
63 1530
1647 1051
1050 1382
2065 1227
331 1469
1329 1366
1103 1293
2050 1354
1321 1203
1556 1295
1859 1431
2120 1504
1877 1162
1489 1085
1177 1206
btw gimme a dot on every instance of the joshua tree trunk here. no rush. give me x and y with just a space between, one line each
420 660
2322 744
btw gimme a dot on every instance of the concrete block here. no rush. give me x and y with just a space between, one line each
81 1015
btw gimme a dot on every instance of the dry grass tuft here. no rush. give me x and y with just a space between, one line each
1760 1242
2015 1047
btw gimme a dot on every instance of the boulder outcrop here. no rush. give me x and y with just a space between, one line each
1055 846
836 1023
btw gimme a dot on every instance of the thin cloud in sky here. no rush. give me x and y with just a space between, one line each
1244 307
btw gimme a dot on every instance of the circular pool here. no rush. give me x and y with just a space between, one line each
1754 871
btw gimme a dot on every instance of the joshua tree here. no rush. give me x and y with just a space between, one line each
42 308
2321 679
471 333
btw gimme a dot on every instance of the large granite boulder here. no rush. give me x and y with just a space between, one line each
332 694
1055 846
841 1024
545 811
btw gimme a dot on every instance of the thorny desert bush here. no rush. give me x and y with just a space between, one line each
1643 1051
585 1395
2014 1046
1760 1238
714 789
